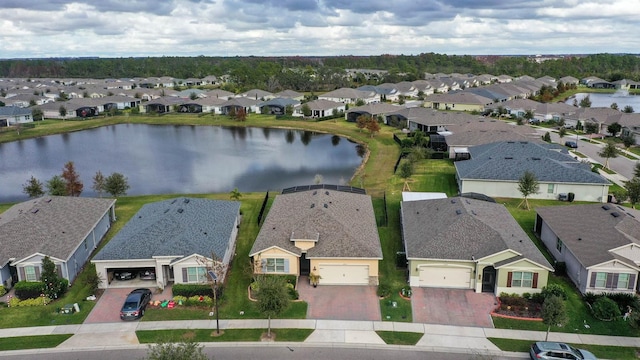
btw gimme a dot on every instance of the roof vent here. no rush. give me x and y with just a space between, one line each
326 206
508 157
174 201
606 207
313 205
180 210
315 192
453 201
35 211
459 212
326 193
615 214
48 200
535 158
166 211
186 201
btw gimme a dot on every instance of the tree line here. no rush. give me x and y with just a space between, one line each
69 184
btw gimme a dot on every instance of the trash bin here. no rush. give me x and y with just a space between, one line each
67 309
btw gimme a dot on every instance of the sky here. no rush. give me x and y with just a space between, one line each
133 28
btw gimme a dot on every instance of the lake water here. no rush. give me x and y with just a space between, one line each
182 159
622 98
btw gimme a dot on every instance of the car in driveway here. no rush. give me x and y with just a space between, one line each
571 144
125 274
557 350
135 304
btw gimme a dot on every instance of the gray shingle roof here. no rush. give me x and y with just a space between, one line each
175 227
346 227
589 231
508 160
51 225
463 229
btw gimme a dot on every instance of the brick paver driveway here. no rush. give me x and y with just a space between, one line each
340 302
108 307
452 307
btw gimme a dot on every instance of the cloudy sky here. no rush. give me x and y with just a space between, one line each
124 28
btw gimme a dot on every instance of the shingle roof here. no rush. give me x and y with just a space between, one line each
589 231
51 225
463 229
508 160
485 131
344 224
175 227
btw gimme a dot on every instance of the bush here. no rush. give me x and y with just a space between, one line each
189 290
29 289
384 290
2 290
537 298
39 301
513 300
199 300
293 293
178 299
554 290
605 309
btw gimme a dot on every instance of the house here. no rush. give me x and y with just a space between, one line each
599 244
290 94
495 169
233 105
468 243
630 124
12 115
320 108
175 238
65 228
373 110
427 120
460 101
350 96
322 229
277 106
257 94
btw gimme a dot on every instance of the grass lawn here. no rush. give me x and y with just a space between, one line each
209 335
32 342
601 351
400 337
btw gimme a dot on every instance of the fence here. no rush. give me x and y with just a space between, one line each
397 139
264 206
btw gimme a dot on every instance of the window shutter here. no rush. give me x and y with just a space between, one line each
535 281
185 278
609 282
37 273
263 265
614 283
632 281
592 283
509 278
286 265
59 270
23 276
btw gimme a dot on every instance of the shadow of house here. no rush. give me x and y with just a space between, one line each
86 111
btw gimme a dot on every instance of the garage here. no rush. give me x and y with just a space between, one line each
344 274
445 277
131 277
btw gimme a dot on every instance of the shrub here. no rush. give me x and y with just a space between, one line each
293 293
384 290
605 309
39 301
28 289
554 290
199 300
180 298
189 290
2 290
513 300
537 298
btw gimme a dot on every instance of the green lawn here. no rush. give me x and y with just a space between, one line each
32 342
601 351
210 335
400 337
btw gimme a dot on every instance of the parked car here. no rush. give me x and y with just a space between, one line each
148 274
571 144
135 304
556 350
125 275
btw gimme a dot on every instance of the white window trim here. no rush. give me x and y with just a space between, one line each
522 281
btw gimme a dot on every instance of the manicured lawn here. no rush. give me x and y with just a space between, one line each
32 342
601 351
209 335
400 337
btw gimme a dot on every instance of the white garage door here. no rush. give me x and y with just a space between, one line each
344 274
449 277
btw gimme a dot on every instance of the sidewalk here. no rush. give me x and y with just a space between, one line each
457 339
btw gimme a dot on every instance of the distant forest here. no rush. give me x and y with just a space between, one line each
304 73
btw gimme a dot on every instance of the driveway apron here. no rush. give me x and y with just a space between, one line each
108 307
340 302
452 307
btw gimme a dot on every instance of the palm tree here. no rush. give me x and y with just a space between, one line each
235 194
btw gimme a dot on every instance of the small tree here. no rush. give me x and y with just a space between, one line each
33 188
553 313
318 179
614 106
585 102
628 109
633 191
235 194
590 127
72 179
609 151
54 286
614 129
546 137
241 114
99 183
361 121
62 111
562 132
306 110
373 126
636 170
628 141
528 185
116 185
184 350
56 186
272 297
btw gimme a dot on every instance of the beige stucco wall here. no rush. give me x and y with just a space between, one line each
304 244
277 253
502 274
595 193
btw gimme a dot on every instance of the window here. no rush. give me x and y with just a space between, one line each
30 273
623 281
559 245
196 274
550 188
275 266
601 280
522 279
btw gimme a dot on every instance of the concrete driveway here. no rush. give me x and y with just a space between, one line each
452 307
340 302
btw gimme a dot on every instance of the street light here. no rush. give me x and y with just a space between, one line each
213 276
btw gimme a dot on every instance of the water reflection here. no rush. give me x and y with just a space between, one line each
290 136
335 140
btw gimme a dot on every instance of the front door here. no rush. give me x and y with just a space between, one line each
305 265
489 279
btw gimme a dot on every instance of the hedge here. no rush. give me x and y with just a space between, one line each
29 289
2 290
189 290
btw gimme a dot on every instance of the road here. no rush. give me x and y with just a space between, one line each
263 352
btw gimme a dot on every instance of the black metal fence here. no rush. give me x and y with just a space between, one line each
264 206
397 139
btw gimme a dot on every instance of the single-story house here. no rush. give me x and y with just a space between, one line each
12 115
320 108
598 243
350 96
467 243
374 110
65 228
177 239
461 101
495 170
326 230
277 106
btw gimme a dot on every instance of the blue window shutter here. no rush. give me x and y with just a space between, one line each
37 273
632 281
185 278
286 265
23 276
592 283
609 282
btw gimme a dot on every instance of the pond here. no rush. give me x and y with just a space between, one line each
166 159
621 97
